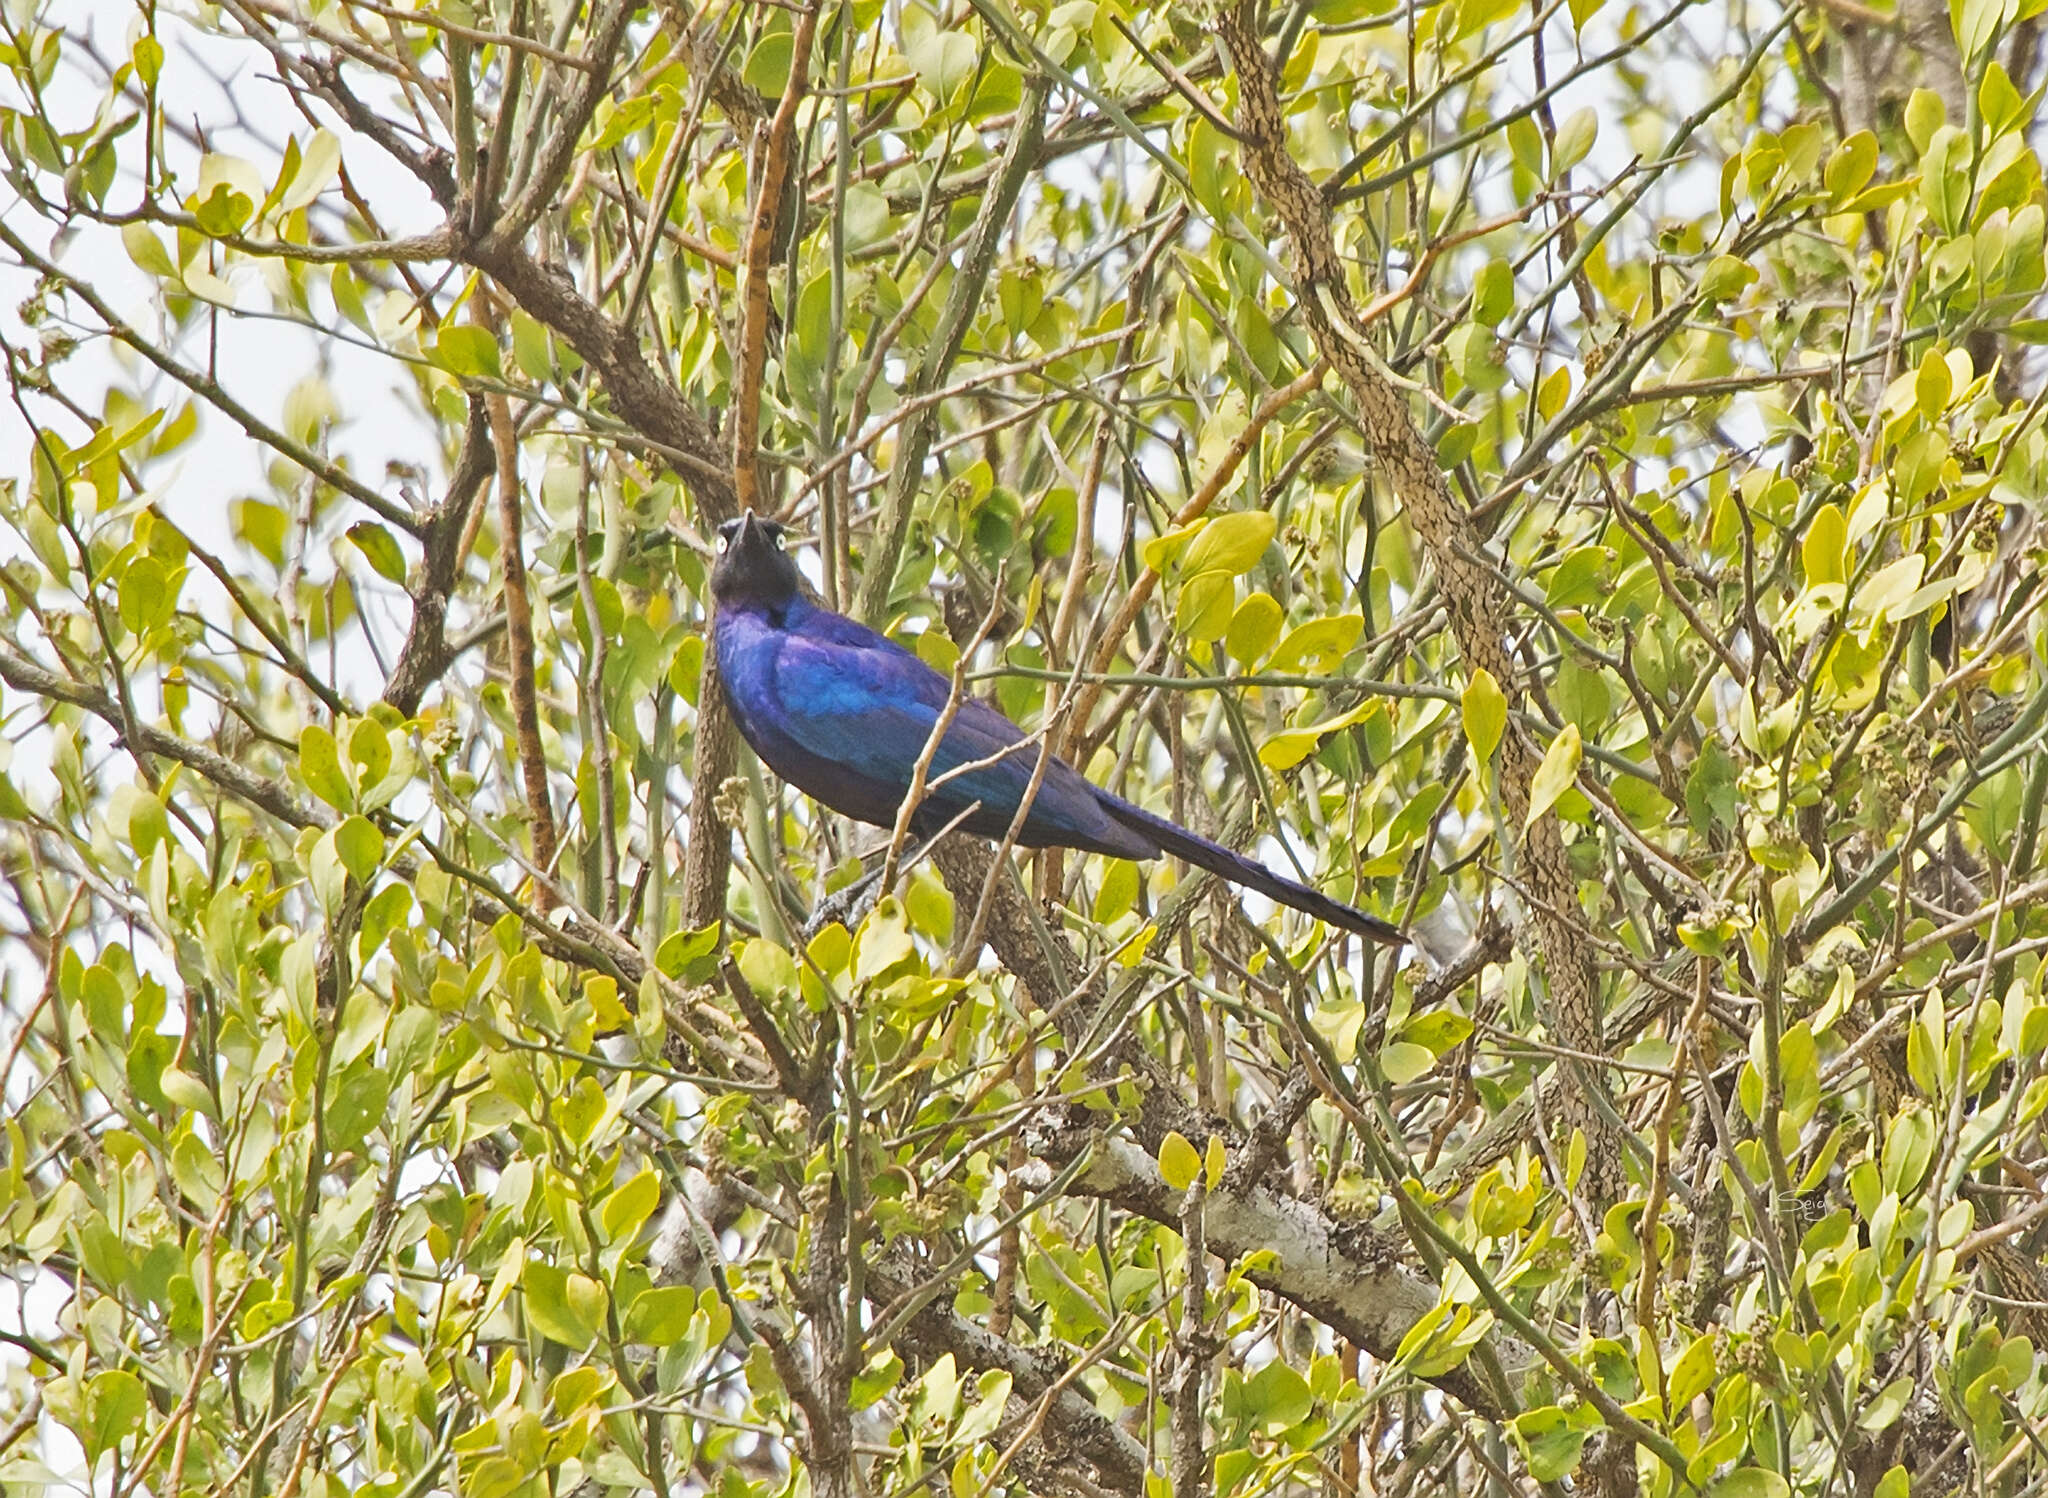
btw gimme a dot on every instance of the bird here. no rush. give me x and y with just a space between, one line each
844 713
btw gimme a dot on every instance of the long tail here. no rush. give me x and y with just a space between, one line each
1238 869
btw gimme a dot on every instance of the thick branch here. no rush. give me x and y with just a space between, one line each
1351 1278
1074 1427
1479 603
533 765
753 350
424 655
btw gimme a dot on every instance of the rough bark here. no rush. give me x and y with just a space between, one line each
1549 924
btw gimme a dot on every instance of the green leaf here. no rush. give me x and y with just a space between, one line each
1889 1403
1693 1373
767 966
1882 595
768 65
343 286
1725 277
661 1317
560 1313
1933 385
320 768
1203 612
465 349
1404 1061
1850 167
1285 750
1159 552
944 60
530 348
1824 548
1119 892
360 846
227 194
1908 1148
1925 114
115 1402
379 549
1550 1442
145 596
1560 768
318 166
1231 543
1438 1030
627 1208
1493 292
1179 1163
370 748
1277 1397
883 942
1977 25
1751 1482
1998 101
147 251
357 1106
1215 1160
1485 710
682 951
1574 139
1317 643
936 649
1253 628
987 1411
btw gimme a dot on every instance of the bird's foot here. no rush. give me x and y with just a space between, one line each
848 906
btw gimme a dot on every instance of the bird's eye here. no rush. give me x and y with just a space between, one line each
778 539
724 545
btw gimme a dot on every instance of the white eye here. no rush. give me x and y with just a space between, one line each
778 539
724 545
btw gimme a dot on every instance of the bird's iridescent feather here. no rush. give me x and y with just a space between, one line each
844 714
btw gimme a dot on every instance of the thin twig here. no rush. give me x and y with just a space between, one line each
746 427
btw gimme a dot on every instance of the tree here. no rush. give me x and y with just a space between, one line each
1565 477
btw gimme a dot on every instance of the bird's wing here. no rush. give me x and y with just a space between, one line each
847 695
860 701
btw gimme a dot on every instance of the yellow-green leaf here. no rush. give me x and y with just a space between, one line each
1555 775
1203 613
1889 587
1159 552
1933 384
379 549
1179 1163
1119 891
1230 543
1404 1061
1318 642
1288 748
1485 711
1825 546
359 846
1850 167
320 767
1253 628
659 1317
466 350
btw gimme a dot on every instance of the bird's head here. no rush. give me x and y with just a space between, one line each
752 565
